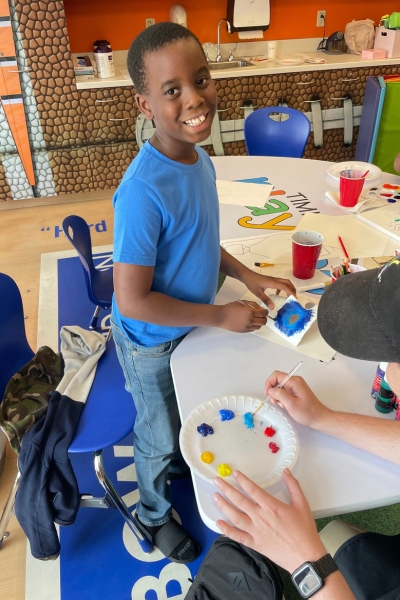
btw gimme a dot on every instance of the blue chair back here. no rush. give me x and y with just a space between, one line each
265 136
77 231
15 351
99 284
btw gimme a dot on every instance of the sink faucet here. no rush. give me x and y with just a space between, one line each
228 26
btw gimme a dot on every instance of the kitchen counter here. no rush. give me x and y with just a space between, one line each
342 61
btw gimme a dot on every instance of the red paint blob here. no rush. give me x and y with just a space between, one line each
269 432
274 448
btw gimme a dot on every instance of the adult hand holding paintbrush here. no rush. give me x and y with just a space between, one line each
278 386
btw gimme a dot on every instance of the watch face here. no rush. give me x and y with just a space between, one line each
307 581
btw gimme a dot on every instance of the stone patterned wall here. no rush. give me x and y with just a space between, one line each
5 191
88 136
109 160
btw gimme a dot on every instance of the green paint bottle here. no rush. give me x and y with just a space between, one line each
385 399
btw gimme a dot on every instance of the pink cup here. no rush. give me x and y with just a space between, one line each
306 248
350 188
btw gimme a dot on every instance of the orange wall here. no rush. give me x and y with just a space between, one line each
121 20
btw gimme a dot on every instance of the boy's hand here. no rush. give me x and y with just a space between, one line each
286 533
242 318
298 399
257 284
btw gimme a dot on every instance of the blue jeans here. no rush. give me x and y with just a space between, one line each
156 431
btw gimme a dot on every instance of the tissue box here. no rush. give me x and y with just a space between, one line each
389 40
373 54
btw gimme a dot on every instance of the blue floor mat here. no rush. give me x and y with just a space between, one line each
100 557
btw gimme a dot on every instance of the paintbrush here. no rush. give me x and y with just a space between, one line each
250 306
280 385
314 286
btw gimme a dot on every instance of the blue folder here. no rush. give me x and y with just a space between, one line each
370 118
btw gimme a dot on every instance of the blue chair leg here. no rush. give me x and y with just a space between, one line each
8 509
93 322
112 493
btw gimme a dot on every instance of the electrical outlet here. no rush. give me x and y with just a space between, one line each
150 22
321 16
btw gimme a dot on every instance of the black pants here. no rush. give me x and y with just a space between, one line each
370 563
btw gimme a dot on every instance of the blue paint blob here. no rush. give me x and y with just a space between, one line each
392 201
226 415
205 429
322 263
261 180
283 319
248 420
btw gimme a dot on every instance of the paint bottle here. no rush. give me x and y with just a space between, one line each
385 399
397 417
380 372
103 56
396 407
101 43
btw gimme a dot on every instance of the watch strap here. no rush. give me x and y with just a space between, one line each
325 566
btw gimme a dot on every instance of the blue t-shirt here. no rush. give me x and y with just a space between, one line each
167 217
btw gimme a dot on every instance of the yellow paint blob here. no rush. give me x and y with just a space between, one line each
224 470
207 457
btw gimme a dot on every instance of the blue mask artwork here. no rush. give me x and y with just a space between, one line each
292 318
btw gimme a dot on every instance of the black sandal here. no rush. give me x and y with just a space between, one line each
173 541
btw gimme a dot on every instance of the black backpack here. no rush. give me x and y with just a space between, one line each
231 570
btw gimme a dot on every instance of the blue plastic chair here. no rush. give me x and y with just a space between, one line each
266 136
14 353
99 284
98 428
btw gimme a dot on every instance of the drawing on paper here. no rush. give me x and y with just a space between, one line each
292 320
272 247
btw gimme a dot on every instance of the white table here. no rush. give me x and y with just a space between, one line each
336 477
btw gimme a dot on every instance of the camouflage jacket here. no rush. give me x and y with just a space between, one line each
27 394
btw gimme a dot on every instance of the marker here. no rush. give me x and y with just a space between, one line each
346 262
264 265
315 286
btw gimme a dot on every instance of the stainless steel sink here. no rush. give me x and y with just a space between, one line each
233 64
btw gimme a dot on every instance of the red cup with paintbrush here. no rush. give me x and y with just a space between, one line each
350 187
306 248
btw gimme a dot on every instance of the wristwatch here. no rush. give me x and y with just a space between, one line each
310 577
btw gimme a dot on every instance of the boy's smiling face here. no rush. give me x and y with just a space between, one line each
181 98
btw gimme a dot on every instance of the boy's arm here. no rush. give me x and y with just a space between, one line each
255 282
136 300
397 163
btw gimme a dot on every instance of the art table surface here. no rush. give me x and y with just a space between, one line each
336 477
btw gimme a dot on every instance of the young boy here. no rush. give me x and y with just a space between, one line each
166 262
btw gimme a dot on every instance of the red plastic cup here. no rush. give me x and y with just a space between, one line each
306 248
350 188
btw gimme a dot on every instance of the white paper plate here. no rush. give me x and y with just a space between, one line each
289 61
241 448
372 179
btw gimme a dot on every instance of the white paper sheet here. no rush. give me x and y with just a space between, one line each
385 219
273 248
243 194
312 344
360 239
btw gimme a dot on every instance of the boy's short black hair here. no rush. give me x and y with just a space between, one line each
153 38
